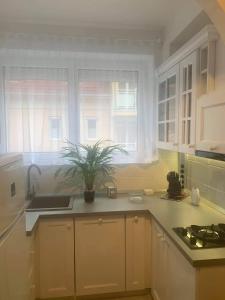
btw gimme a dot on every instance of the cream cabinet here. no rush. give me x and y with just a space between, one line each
159 264
138 252
100 254
187 103
168 96
173 276
210 122
181 276
56 257
14 264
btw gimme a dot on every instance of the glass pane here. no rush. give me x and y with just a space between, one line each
188 132
184 79
170 112
171 86
189 104
183 131
170 132
161 116
204 83
162 132
204 58
184 106
189 77
162 91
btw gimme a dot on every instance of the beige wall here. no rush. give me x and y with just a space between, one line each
190 9
132 177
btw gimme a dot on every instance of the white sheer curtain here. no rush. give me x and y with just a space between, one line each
36 102
50 97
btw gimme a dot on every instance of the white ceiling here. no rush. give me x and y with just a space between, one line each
126 14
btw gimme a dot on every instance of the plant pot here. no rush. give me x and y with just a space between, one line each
89 196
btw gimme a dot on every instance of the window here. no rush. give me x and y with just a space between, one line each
32 95
92 129
106 97
110 96
54 128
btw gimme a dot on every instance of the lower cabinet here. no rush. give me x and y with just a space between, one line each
173 276
15 264
56 257
138 252
100 254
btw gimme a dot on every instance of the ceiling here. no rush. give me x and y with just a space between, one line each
126 14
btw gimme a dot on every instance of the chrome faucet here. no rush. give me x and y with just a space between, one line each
31 193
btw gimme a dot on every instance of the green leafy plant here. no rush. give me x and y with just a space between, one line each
90 164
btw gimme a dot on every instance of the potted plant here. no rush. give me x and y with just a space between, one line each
89 163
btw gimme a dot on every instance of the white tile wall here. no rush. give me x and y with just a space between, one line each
209 176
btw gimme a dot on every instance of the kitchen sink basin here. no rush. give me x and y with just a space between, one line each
52 202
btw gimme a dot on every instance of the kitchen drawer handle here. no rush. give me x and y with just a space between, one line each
100 220
213 148
191 146
136 219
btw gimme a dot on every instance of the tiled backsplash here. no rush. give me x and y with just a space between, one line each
129 177
209 176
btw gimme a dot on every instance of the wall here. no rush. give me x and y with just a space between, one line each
131 177
190 9
209 176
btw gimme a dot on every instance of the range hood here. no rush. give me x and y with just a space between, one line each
210 155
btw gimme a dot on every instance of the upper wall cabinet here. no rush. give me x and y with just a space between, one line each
168 90
182 79
187 101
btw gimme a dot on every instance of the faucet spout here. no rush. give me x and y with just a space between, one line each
31 193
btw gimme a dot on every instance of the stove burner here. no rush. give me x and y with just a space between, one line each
199 237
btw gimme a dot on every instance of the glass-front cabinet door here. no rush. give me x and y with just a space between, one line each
168 109
187 103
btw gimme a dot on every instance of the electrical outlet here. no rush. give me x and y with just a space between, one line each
13 189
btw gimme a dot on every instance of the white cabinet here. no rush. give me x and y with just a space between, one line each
181 276
100 254
210 122
168 93
173 276
56 257
14 264
187 103
138 252
159 264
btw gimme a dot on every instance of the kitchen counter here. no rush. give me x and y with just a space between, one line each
167 213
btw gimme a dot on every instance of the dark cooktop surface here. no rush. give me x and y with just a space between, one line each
202 237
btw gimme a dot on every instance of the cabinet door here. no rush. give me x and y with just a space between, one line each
100 254
138 234
187 103
181 276
56 257
15 263
210 122
3 283
159 264
168 92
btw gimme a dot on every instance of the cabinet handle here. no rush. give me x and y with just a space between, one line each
191 146
159 235
100 220
136 219
68 227
213 148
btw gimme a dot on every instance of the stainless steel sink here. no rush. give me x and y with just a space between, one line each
50 202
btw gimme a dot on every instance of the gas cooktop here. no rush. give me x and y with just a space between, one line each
202 237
